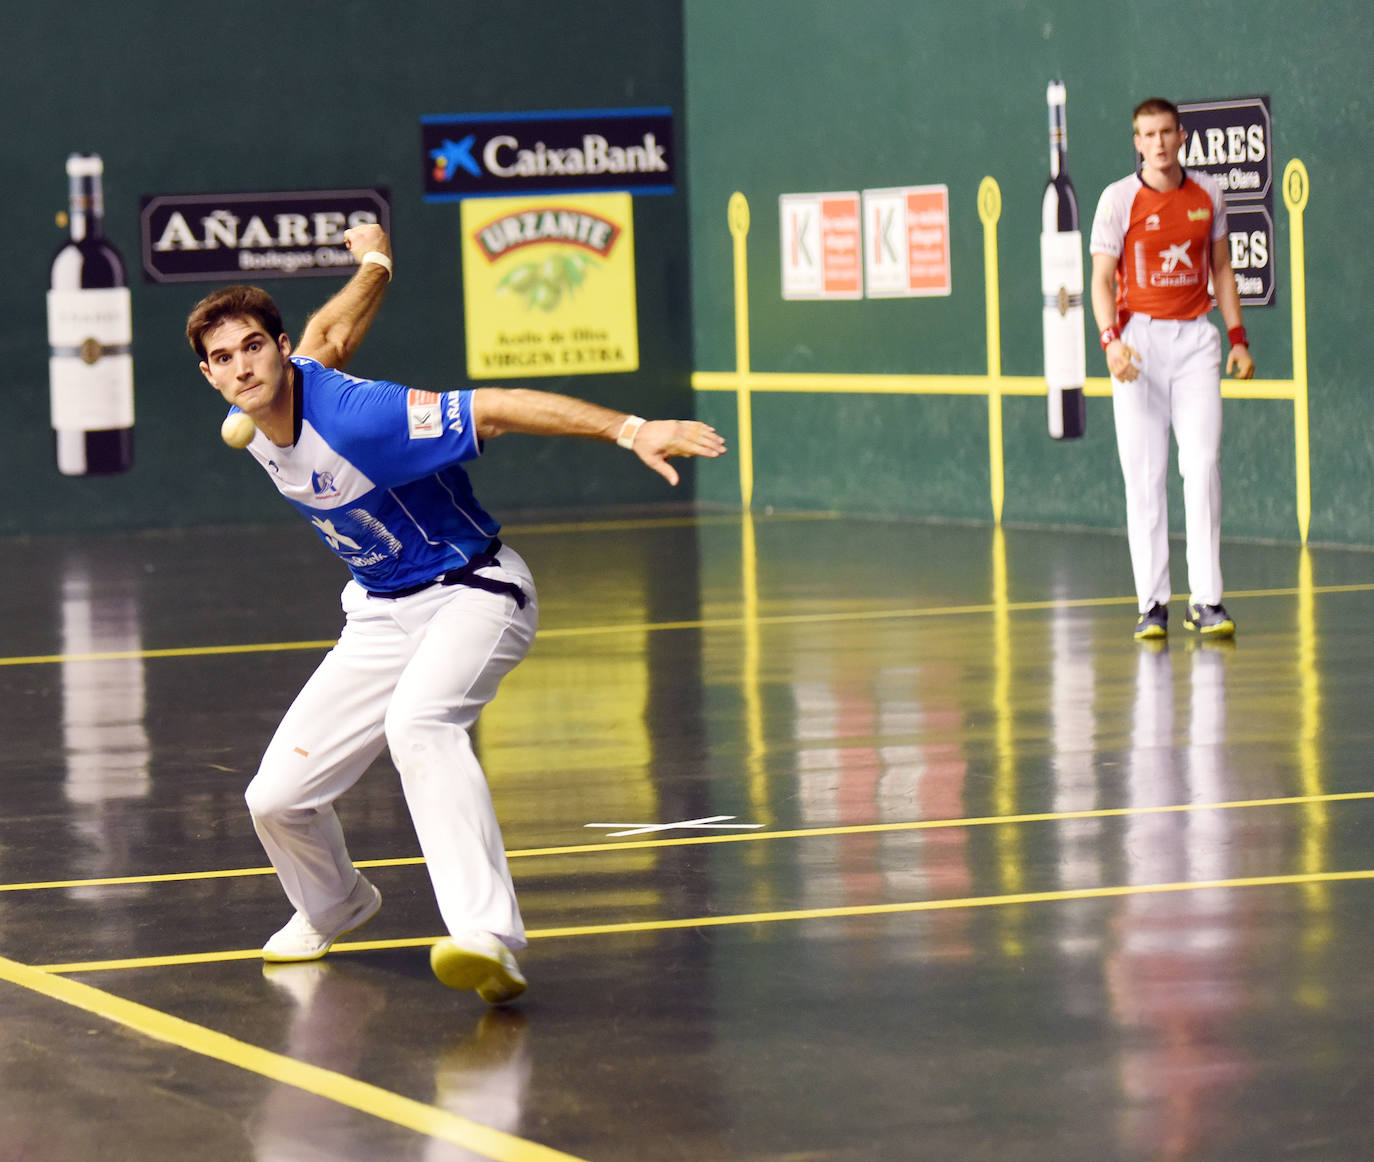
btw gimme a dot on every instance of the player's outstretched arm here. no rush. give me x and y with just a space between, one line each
335 332
496 411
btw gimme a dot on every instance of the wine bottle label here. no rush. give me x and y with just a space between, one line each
1065 355
1061 280
105 315
1061 265
90 370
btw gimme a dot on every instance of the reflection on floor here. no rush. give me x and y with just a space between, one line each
836 839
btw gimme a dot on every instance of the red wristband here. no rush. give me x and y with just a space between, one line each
1238 337
1109 336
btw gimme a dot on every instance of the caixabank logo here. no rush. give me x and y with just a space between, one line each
575 151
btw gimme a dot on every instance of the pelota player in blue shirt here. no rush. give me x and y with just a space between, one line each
438 610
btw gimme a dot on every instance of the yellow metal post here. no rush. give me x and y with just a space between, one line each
739 231
990 210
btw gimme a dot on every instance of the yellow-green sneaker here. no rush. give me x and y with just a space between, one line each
1210 620
1153 623
478 960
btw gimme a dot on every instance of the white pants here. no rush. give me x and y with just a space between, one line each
1179 386
413 674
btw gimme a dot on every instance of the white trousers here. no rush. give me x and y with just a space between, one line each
413 674
1180 387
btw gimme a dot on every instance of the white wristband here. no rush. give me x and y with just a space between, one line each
379 258
629 430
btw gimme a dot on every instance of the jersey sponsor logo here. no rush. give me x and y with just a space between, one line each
453 412
424 416
338 541
323 484
1169 273
378 530
1152 222
1173 255
1199 215
378 542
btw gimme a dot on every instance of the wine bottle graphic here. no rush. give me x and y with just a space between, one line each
1061 280
90 330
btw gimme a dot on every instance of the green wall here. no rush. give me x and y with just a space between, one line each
796 96
200 98
772 96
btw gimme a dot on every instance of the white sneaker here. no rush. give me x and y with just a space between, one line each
478 960
305 939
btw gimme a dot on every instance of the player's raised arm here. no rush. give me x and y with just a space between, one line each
541 413
335 332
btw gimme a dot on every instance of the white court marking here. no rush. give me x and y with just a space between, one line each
708 823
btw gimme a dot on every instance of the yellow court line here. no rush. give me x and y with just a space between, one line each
1065 895
743 837
844 911
179 652
335 1087
557 632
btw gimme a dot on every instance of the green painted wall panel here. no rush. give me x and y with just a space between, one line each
188 98
798 96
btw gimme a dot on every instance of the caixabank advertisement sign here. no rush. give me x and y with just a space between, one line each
484 155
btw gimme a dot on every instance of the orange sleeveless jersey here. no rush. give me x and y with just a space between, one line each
1162 243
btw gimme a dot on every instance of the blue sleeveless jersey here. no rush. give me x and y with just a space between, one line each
376 471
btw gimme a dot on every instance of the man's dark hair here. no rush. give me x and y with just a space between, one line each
232 302
1152 105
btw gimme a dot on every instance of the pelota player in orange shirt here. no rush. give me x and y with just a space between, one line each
1157 237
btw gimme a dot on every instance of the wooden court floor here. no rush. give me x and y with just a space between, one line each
837 839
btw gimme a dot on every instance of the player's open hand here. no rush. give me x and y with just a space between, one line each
1123 361
1239 363
659 439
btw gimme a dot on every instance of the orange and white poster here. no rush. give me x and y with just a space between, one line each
906 242
821 244
549 285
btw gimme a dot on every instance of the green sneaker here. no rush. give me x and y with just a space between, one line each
1210 620
1153 623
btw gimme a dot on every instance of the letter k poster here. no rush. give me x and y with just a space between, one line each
549 285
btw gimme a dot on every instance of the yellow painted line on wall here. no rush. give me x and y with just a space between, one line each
336 1087
737 214
844 383
1296 188
990 210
